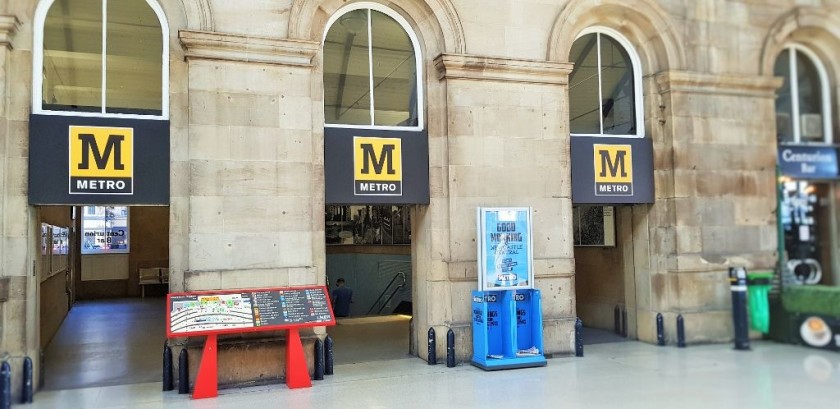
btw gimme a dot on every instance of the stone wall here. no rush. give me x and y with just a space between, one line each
247 183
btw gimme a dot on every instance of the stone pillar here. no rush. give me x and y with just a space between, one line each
18 309
506 144
248 195
715 199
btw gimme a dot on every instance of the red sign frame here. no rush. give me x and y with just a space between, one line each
170 334
297 374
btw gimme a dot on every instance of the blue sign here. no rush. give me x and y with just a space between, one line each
808 162
505 254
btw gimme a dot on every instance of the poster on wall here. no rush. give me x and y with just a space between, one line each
505 253
105 229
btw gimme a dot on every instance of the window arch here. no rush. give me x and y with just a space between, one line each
372 70
802 106
605 86
101 58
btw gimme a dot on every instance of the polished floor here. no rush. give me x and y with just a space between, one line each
120 342
611 375
107 355
107 342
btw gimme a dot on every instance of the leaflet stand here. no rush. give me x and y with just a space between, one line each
507 329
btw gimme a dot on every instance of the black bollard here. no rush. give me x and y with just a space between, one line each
450 349
617 320
738 286
319 360
328 355
660 330
26 397
168 381
183 372
680 331
578 337
624 322
5 386
432 347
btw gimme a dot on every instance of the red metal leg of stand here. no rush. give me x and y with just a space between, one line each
297 374
207 381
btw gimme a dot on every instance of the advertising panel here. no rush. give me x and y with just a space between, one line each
505 256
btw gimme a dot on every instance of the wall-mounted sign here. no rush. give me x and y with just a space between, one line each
375 166
808 162
505 253
608 170
88 160
105 229
101 160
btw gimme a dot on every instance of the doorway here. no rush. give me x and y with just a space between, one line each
604 272
103 276
368 248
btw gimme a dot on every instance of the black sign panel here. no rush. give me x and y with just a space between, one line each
259 310
83 160
608 170
373 166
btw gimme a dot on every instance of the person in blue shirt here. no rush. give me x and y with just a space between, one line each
342 297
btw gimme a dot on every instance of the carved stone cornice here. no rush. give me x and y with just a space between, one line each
203 45
472 67
720 84
8 27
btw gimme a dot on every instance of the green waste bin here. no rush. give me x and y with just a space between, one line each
758 285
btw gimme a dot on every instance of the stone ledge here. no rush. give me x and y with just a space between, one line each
204 45
717 84
479 68
8 27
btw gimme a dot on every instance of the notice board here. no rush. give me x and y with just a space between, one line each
236 311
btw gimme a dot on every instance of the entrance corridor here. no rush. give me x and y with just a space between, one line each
107 342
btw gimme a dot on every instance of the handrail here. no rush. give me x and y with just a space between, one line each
398 275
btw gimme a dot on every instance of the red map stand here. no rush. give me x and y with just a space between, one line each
207 381
297 376
297 373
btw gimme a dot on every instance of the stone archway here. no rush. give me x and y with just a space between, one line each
437 22
813 27
641 21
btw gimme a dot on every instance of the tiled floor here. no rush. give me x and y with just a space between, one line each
614 375
115 348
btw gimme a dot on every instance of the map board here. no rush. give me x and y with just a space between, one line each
202 313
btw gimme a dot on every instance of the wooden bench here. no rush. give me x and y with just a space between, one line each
152 276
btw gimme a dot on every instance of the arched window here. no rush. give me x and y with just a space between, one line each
101 58
605 86
802 106
372 70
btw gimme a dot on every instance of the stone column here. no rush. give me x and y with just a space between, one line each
506 144
248 183
715 199
18 293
